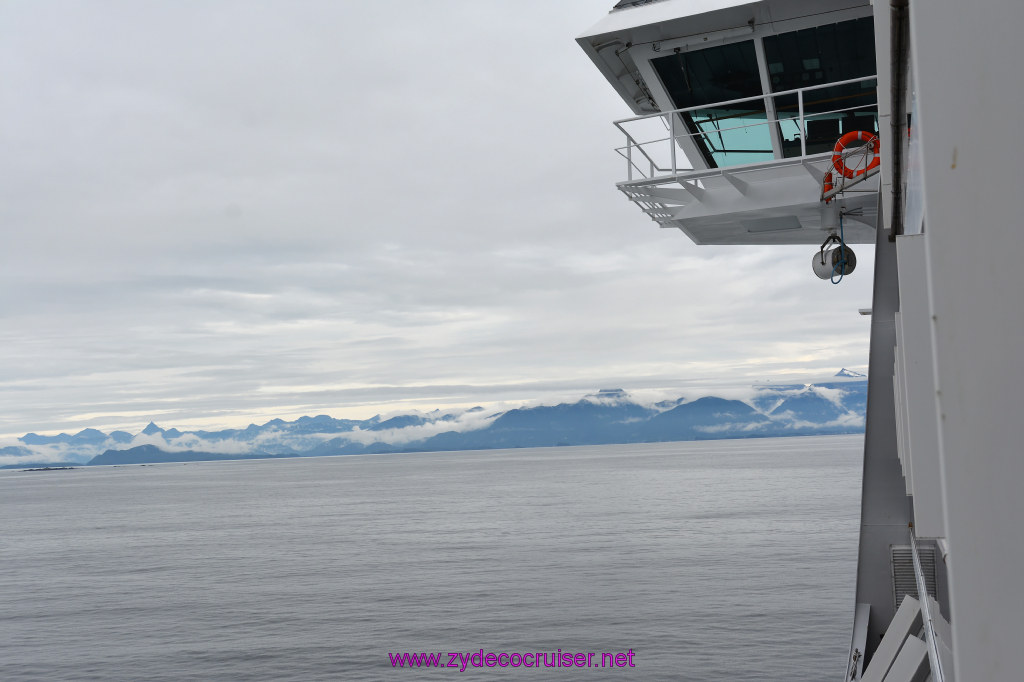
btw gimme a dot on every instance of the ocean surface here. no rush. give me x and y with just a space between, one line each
721 560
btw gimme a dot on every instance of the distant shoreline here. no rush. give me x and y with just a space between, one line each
228 458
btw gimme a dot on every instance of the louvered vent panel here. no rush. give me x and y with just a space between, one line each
903 580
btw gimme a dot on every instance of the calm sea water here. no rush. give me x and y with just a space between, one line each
728 560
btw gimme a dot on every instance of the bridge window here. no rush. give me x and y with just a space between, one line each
730 134
817 55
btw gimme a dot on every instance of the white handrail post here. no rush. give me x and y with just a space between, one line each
672 139
803 127
629 158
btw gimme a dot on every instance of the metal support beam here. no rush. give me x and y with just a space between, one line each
693 189
885 510
741 186
817 174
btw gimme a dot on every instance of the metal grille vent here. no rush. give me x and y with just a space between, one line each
903 580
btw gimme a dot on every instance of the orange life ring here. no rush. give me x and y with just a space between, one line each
855 136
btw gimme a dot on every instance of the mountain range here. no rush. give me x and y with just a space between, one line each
608 416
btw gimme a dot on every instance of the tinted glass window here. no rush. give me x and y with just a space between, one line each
726 135
824 54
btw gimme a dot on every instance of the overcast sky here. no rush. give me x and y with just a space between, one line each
216 213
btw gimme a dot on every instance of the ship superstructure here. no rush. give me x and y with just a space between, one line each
838 122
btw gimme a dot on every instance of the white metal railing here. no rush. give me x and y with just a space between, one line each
640 153
931 639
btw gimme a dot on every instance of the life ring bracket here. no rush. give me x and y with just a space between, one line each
842 174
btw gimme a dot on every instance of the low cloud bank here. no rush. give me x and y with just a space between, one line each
610 415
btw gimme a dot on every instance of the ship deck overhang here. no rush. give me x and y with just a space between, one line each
777 202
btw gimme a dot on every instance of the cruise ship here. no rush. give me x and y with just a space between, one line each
834 123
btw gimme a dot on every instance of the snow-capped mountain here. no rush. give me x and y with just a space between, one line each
608 416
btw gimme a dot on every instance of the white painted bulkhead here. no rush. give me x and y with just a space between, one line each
968 62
